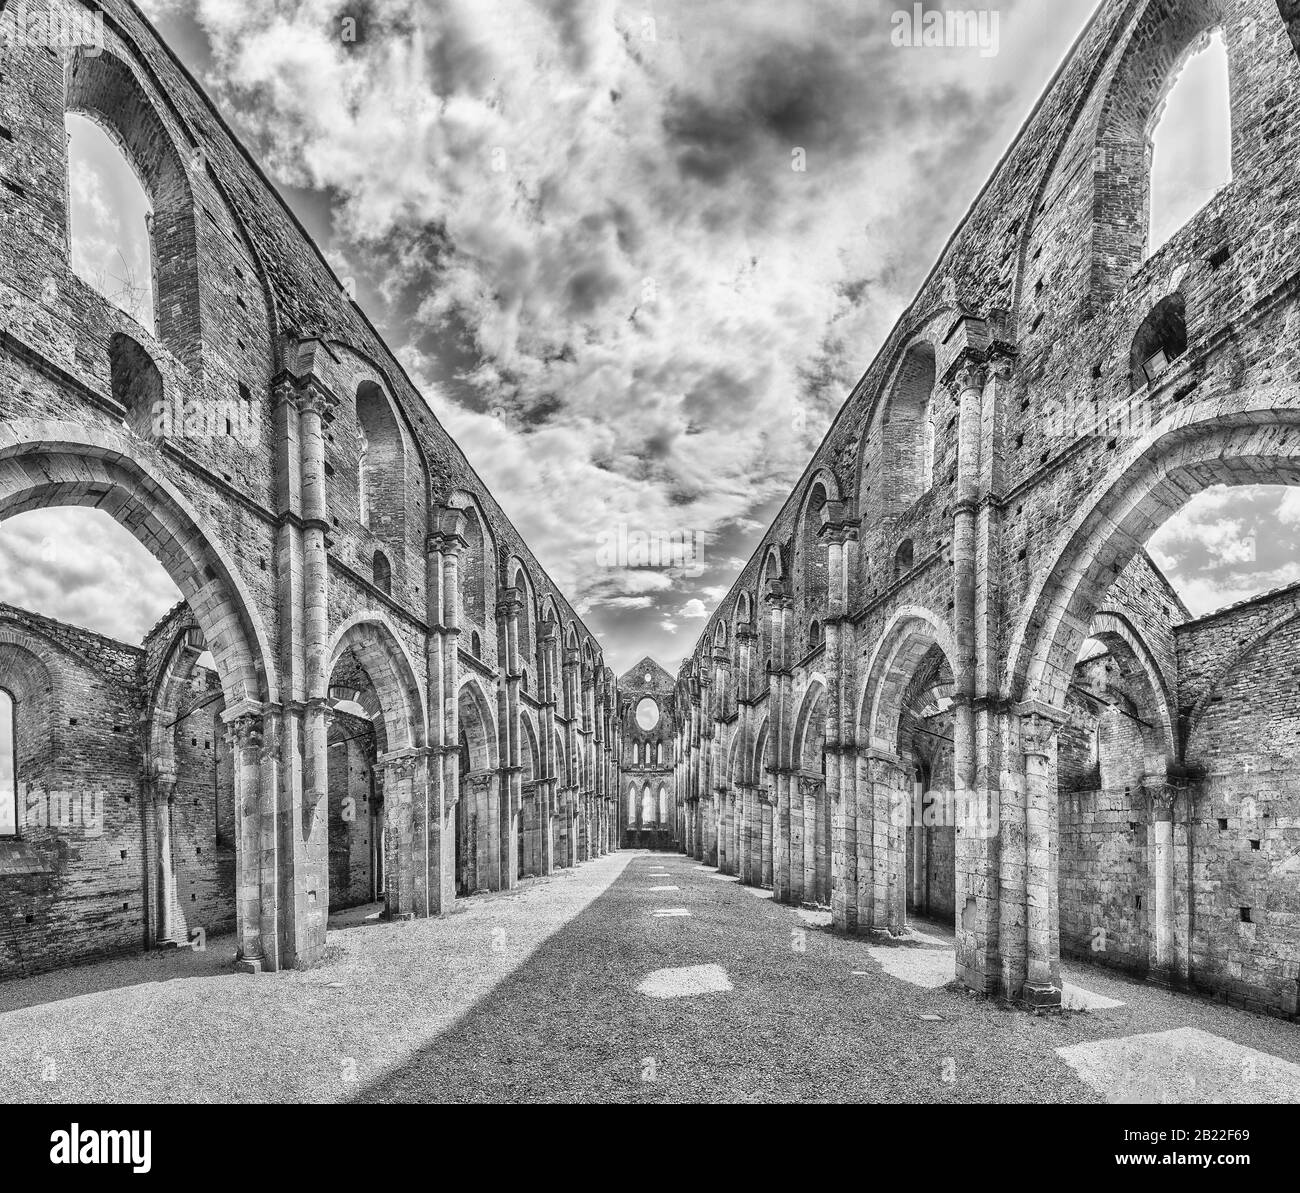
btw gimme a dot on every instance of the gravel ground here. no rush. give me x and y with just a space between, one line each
534 995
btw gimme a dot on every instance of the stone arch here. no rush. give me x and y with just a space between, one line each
382 473
477 573
27 681
381 572
522 582
371 639
1247 439
99 84
477 720
1160 339
805 730
136 383
907 431
811 567
530 757
45 464
1135 659
910 634
1164 37
186 647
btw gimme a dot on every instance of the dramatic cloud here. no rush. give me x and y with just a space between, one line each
634 255
80 566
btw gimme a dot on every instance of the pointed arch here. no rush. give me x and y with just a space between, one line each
370 638
47 463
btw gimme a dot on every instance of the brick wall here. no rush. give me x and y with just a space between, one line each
72 883
1245 819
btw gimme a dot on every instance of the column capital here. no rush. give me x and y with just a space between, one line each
1039 725
307 395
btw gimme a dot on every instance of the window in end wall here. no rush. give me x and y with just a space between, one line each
8 767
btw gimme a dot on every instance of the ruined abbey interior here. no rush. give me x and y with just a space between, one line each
949 681
371 690
950 687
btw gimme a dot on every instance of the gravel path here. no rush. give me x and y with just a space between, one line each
569 990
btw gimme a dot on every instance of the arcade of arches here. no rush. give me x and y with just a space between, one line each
949 683
370 691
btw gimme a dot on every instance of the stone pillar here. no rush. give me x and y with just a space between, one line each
162 788
307 825
442 587
253 737
885 781
511 785
1038 737
1167 961
766 870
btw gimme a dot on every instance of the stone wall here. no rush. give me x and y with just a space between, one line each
72 884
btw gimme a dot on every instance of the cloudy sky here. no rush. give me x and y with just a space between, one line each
634 255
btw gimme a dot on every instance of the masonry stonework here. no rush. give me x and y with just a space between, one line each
955 592
338 557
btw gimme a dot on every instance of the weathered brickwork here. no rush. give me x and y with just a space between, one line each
976 514
74 884
332 544
648 815
1243 865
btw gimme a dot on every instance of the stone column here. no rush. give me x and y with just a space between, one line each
442 587
1163 952
162 788
885 777
549 638
1038 737
253 737
511 786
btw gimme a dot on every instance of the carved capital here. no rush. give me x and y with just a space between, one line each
1038 733
967 374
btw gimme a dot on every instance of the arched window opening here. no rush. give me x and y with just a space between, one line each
631 803
383 573
813 569
663 804
1160 341
659 753
647 806
137 385
381 472
903 558
523 680
110 221
814 634
8 766
475 645
1191 139
909 444
473 570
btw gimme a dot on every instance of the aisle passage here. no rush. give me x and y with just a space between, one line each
637 977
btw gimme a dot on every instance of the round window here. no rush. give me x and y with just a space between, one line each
647 713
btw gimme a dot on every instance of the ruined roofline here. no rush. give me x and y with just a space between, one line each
393 364
17 611
907 312
1261 598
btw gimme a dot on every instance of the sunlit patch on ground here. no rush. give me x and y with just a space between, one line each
1076 998
927 968
665 912
685 981
1184 1064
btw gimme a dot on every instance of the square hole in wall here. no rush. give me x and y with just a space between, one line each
1245 916
1254 843
1223 824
